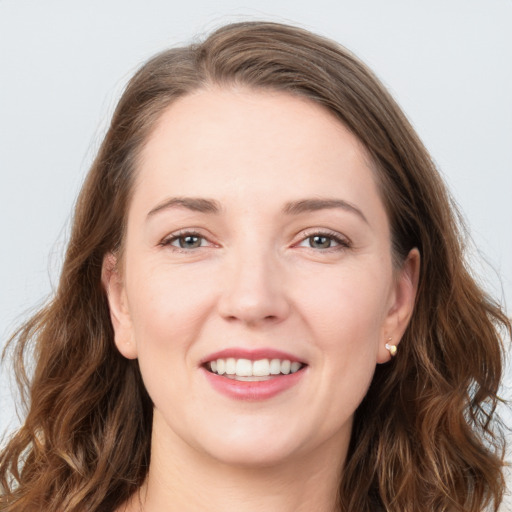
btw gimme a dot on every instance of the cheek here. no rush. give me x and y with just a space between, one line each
346 309
166 302
167 314
345 313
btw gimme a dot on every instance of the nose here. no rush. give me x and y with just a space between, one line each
254 290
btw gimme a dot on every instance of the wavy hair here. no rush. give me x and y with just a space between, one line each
425 437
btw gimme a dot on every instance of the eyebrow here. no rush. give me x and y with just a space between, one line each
312 205
211 206
196 204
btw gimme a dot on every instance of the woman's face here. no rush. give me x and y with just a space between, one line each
257 245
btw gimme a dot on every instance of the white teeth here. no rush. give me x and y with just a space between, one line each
231 365
245 369
261 368
295 367
275 367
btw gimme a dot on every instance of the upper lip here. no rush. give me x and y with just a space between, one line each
251 354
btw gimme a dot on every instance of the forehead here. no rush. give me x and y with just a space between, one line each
246 143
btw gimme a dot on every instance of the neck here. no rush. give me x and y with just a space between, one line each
187 480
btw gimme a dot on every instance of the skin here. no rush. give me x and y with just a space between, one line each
255 279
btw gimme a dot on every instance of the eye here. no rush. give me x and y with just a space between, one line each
324 241
320 241
186 241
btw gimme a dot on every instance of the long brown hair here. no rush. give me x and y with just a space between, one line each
424 438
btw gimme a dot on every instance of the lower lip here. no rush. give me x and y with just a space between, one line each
252 391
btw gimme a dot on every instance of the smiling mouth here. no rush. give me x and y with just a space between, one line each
252 371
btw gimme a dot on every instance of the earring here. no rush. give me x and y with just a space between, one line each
392 348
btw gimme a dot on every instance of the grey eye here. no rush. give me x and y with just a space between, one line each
320 242
189 241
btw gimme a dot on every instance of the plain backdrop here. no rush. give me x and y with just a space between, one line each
63 65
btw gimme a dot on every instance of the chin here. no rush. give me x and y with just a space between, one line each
251 455
251 442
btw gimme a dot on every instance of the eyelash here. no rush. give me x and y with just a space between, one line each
342 243
167 242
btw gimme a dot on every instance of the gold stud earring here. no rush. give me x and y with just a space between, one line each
392 348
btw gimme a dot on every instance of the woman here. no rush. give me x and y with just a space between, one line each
264 303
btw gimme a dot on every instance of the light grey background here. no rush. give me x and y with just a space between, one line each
64 63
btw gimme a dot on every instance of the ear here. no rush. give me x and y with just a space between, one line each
401 305
119 314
